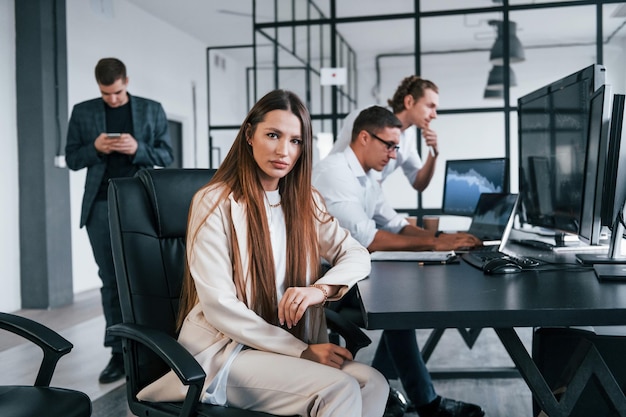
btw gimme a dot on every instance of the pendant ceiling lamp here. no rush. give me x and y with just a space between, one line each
493 94
516 50
496 78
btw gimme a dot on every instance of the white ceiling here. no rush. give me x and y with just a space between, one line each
220 23
213 22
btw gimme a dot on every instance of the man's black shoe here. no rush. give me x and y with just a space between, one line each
396 404
114 370
452 408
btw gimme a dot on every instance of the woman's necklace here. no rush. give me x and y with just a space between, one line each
273 195
269 197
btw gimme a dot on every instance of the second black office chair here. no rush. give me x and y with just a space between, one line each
40 399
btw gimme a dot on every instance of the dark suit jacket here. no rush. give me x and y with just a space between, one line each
88 121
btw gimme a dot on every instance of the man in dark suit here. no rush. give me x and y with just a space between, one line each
112 136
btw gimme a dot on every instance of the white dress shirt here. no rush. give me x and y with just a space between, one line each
407 157
355 199
278 238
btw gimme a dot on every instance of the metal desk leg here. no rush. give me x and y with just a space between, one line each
431 343
586 363
469 337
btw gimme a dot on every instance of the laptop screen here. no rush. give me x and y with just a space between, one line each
493 215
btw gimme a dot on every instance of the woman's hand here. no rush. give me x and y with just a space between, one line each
294 303
327 354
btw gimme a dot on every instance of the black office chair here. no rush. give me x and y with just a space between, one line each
148 217
581 360
41 399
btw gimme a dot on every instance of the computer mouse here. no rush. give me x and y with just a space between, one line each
501 266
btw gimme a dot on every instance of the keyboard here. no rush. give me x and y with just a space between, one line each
478 257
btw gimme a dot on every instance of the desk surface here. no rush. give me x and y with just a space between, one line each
404 295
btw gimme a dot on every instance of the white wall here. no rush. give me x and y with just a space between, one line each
9 209
162 62
228 96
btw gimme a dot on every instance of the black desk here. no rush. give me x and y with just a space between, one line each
403 295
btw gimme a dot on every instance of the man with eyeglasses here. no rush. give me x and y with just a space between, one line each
415 103
357 201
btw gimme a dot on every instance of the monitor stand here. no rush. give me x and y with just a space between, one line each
564 245
561 244
614 254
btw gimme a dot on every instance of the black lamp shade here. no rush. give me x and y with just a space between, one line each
496 78
516 51
493 94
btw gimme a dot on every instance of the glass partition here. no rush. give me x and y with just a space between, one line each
527 2
451 5
553 49
374 8
452 43
381 69
614 44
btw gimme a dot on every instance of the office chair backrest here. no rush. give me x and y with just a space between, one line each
148 217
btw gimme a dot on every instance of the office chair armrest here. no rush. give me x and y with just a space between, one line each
53 345
166 347
178 359
355 338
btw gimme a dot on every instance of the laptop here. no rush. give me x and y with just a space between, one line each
493 217
498 213
492 223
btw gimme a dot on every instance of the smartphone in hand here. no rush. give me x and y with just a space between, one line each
113 135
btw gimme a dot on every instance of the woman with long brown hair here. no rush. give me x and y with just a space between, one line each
251 307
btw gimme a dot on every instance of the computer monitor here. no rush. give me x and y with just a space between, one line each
613 191
596 156
553 131
466 179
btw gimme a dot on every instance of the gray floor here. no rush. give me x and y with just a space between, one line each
498 396
82 324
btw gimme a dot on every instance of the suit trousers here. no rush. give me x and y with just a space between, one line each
99 234
286 385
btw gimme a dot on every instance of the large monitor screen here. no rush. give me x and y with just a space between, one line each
614 187
465 180
597 143
552 123
610 185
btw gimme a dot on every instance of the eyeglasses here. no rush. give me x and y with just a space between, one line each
391 146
